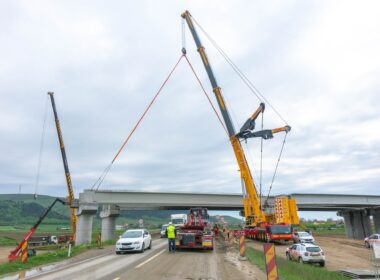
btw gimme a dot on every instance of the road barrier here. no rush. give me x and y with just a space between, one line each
24 252
270 261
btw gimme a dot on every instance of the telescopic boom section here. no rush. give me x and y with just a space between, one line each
251 199
70 197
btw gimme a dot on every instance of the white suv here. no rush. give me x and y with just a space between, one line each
134 240
303 237
374 238
306 253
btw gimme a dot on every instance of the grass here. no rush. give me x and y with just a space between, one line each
7 241
46 258
288 270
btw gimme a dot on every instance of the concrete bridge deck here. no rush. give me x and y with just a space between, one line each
355 209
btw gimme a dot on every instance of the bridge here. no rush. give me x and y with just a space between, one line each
355 209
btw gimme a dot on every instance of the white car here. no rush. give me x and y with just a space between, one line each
134 240
303 237
306 253
374 238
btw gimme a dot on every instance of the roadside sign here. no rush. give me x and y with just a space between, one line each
270 261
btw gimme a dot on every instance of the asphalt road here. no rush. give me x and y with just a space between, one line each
158 263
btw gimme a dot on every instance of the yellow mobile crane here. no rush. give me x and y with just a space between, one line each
70 197
260 224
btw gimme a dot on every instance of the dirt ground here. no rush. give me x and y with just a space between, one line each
341 253
4 252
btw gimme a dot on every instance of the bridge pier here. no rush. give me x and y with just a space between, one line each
357 223
108 215
376 219
85 216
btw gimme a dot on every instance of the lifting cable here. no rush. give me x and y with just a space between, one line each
41 149
100 180
207 96
275 170
237 70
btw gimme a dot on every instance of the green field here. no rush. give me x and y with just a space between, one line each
325 228
58 255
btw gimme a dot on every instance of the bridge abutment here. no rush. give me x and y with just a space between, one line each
108 215
357 223
85 216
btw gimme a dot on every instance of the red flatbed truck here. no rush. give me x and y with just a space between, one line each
195 234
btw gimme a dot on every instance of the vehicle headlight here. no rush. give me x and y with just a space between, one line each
136 242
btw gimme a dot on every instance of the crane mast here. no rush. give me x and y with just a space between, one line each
251 199
70 196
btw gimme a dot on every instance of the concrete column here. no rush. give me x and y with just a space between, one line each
357 223
85 215
348 220
108 216
362 227
376 220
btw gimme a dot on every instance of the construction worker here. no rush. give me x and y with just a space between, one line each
171 233
216 231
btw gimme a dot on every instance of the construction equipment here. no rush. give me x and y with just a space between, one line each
256 216
70 197
15 254
195 234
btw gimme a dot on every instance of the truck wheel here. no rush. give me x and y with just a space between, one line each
322 264
142 248
150 245
117 252
367 245
300 260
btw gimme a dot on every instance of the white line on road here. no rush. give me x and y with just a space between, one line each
151 258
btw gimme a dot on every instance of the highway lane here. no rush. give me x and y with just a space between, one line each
157 263
102 267
220 264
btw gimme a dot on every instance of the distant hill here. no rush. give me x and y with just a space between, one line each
25 209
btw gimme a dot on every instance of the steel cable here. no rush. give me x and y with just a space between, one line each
100 180
240 73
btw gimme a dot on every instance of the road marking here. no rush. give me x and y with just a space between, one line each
151 258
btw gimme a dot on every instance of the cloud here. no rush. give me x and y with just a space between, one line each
315 61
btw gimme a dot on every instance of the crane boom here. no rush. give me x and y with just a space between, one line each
14 254
251 199
70 196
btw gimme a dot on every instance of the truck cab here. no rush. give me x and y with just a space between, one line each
178 220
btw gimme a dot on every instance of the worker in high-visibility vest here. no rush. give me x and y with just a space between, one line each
171 233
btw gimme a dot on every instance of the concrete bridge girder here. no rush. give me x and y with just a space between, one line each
350 207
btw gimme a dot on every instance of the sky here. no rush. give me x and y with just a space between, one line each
315 61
